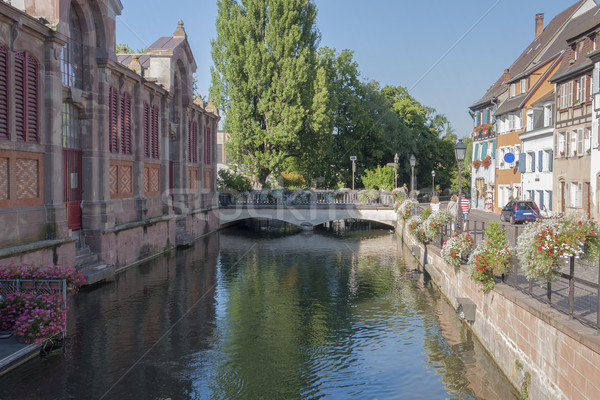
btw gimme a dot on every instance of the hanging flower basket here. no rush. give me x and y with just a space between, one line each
486 162
457 248
476 163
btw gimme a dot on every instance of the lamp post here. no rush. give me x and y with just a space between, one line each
432 183
459 151
413 162
395 165
396 159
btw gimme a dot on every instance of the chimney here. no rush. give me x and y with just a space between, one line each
539 24
506 75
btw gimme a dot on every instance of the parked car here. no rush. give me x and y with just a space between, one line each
520 210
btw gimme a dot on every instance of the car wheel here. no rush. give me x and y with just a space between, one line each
512 219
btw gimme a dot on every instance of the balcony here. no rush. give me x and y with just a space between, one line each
485 131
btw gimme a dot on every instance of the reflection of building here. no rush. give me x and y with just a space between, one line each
96 149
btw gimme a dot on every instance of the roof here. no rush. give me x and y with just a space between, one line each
491 93
544 99
166 43
512 104
544 47
575 29
125 59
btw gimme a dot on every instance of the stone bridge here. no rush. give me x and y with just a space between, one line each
308 215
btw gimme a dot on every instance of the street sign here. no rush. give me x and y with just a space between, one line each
352 158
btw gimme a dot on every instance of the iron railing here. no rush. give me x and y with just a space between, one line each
575 292
301 197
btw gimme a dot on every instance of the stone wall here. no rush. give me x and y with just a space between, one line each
524 336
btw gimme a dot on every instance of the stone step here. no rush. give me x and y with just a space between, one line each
83 251
97 271
85 259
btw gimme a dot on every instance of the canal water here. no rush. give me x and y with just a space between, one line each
247 315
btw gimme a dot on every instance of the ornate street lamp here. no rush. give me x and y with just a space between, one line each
413 162
432 183
459 151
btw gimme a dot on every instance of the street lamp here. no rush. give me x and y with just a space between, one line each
396 159
432 183
413 162
459 151
353 159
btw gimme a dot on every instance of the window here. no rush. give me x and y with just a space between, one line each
3 92
126 124
193 142
72 53
583 89
566 95
523 85
587 143
572 145
575 191
207 145
512 89
113 120
579 142
548 115
71 136
529 120
26 97
151 131
560 144
580 90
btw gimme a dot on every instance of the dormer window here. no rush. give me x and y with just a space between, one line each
513 89
523 85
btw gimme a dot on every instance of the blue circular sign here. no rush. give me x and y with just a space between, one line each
509 157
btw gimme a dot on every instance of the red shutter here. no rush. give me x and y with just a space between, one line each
147 138
155 153
113 118
189 157
208 146
195 144
125 124
32 99
3 92
20 96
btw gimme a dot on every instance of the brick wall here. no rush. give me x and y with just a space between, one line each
523 335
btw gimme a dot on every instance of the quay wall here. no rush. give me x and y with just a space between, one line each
525 337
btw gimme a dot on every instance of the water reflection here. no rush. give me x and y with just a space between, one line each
246 315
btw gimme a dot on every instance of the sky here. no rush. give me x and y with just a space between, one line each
446 53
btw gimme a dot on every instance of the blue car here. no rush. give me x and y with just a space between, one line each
520 210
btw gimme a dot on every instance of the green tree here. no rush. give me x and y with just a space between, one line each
379 178
267 81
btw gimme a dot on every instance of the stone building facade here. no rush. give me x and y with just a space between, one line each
105 159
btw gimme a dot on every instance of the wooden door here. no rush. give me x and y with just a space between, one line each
73 191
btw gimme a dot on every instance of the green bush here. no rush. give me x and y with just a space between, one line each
231 180
380 178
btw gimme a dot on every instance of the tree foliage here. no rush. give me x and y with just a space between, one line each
379 178
267 81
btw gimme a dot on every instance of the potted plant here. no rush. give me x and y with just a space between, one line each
491 257
476 163
486 162
545 245
432 226
457 248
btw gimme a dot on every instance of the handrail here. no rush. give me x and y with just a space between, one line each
303 197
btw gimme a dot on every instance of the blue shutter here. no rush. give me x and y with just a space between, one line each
550 199
494 149
494 114
522 166
483 149
533 162
550 160
485 116
541 160
476 152
541 205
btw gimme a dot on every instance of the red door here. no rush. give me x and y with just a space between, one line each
73 191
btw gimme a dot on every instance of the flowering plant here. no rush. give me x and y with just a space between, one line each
404 209
476 163
415 227
432 226
46 272
368 194
399 194
491 257
486 162
545 245
456 248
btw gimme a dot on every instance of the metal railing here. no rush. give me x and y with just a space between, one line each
301 197
575 292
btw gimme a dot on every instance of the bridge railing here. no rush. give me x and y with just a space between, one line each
303 197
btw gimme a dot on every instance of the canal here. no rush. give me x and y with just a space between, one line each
263 315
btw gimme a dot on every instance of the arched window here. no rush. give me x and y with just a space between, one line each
3 92
26 97
72 54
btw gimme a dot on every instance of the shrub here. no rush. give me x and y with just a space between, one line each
405 208
73 277
368 194
491 257
432 225
231 180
